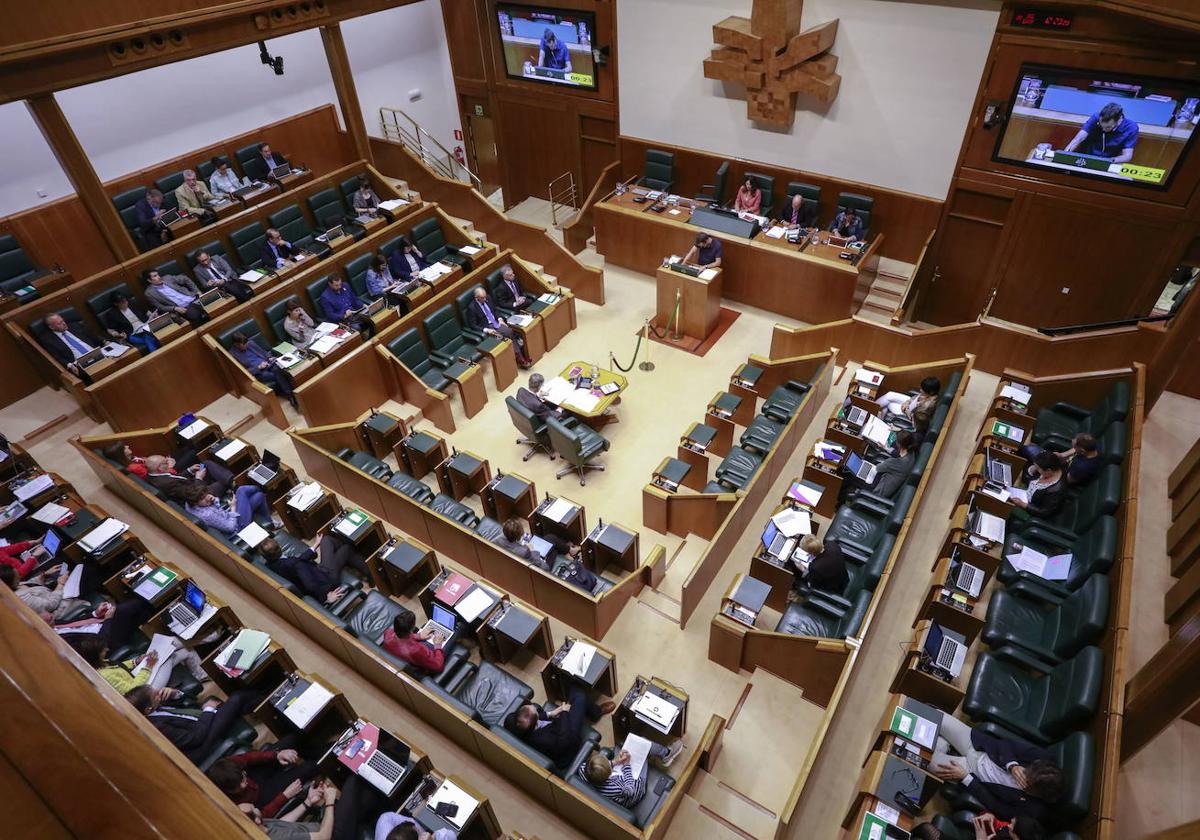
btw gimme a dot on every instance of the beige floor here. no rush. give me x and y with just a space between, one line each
773 726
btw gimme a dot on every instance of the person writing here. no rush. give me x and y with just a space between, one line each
277 252
224 181
552 53
706 252
175 293
259 362
1108 133
193 197
826 568
401 642
801 213
126 321
531 398
215 272
121 676
406 260
298 324
749 198
891 472
66 342
614 777
339 304
560 733
23 556
482 317
847 224
365 199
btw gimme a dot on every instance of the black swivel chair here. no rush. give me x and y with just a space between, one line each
659 170
531 427
714 193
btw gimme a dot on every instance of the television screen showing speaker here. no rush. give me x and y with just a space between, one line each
1100 125
548 45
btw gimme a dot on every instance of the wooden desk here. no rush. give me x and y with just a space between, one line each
513 629
626 720
263 192
759 272
307 523
420 452
605 377
967 619
508 495
479 824
693 449
600 678
471 389
269 670
330 721
945 695
699 301
294 179
226 209
380 431
463 474
403 565
904 730
744 599
775 573
184 226
107 366
611 544
238 461
45 285
821 472
572 527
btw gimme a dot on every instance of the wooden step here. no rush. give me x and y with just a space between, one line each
874 315
694 820
882 304
730 809
465 224
890 286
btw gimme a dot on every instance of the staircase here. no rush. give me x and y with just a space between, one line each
399 127
887 291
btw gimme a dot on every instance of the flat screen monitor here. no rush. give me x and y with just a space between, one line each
547 45
1100 125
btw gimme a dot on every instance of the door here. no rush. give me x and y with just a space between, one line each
483 151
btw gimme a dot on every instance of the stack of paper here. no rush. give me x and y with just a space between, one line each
229 450
351 522
578 659
470 250
868 376
639 750
192 429
792 522
1034 562
32 487
556 390
304 707
162 645
248 645
804 494
1008 392
474 604
324 328
51 513
252 534
392 204
876 431
323 344
251 276
707 274
102 534
777 232
559 510
304 496
581 400
114 350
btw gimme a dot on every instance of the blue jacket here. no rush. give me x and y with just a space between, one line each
334 304
302 570
251 356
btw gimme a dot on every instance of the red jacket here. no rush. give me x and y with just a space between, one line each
249 793
414 651
10 555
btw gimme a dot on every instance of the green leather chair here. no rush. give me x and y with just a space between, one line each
824 620
738 468
531 427
247 242
171 267
356 274
454 510
577 446
248 328
714 193
809 192
167 186
861 577
126 204
251 162
314 290
863 520
1092 552
766 185
37 327
415 489
811 211
1099 498
1057 424
761 434
349 187
785 400
365 462
493 282
276 314
101 302
16 269
920 463
658 172
413 354
482 342
1054 634
658 787
328 208
1113 443
392 244
213 249
862 204
1038 703
294 228
205 168
427 235
447 338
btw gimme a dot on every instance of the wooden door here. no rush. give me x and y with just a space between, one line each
482 136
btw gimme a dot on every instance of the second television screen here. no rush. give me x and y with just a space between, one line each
547 45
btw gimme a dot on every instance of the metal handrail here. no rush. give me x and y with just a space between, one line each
425 146
567 196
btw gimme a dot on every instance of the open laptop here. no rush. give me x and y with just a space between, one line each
856 416
373 307
169 218
281 170
987 525
969 579
44 554
777 544
266 470
159 323
998 470
862 470
442 623
187 610
386 755
946 653
334 232
209 297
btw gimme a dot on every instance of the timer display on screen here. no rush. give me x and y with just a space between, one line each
1039 19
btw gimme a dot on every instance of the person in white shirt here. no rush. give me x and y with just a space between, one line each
224 181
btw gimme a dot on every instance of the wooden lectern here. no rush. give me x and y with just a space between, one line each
700 303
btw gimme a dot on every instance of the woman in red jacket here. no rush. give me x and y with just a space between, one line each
22 556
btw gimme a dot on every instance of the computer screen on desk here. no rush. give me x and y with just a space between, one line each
547 45
1118 128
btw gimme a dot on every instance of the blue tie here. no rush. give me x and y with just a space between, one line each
75 344
487 311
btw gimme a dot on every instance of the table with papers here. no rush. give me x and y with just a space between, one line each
589 402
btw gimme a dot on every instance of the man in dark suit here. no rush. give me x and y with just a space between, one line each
196 732
217 273
161 474
509 294
269 158
67 341
1010 778
482 317
149 209
126 320
276 251
529 398
801 213
562 735
406 260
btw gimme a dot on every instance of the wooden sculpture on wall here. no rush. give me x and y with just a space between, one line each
775 60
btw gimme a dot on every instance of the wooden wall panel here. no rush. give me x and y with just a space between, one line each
904 219
539 140
956 294
1186 380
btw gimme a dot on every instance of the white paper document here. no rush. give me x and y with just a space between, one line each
559 510
1047 568
578 658
639 750
473 605
251 276
304 708
50 513
164 646
304 496
325 327
392 204
707 274
252 534
192 429
791 522
469 250
113 350
876 431
32 487
323 344
229 450
556 390
520 319
868 376
777 232
450 792
99 536
71 587
582 400
1008 392
658 711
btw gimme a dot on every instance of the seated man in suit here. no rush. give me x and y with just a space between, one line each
826 569
193 197
196 735
1082 460
217 273
277 252
66 342
1010 778
558 734
847 224
270 158
117 622
481 316
339 305
509 294
890 473
801 213
224 181
531 398
149 210
175 293
406 260
162 475
319 575
259 362
126 321
401 642
614 778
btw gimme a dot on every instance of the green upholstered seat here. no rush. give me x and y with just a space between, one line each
532 428
365 462
1051 634
329 209
658 172
862 204
447 339
821 619
1057 424
247 241
738 468
766 185
863 520
761 434
430 240
785 400
576 445
294 228
1092 552
413 354
714 193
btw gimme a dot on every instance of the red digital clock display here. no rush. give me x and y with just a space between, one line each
1039 19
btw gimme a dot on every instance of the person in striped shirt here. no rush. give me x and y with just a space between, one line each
614 777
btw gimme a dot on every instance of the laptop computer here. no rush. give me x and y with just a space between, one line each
856 416
186 611
987 525
998 470
281 170
386 755
777 544
334 232
969 579
263 472
169 218
947 654
209 297
373 307
860 469
89 358
441 623
159 323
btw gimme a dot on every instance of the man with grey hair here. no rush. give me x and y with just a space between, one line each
193 197
531 398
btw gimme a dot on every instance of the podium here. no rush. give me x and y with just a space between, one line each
700 303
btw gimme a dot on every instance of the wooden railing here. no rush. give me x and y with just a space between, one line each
580 229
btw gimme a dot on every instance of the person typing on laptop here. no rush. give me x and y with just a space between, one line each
890 473
24 557
340 305
402 642
825 569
